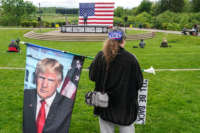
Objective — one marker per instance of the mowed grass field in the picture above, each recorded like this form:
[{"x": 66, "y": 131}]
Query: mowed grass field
[{"x": 173, "y": 104}]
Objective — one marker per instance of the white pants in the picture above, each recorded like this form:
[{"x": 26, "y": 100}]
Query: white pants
[{"x": 109, "y": 127}]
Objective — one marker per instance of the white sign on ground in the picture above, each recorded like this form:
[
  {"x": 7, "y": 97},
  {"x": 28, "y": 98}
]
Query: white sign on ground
[{"x": 142, "y": 101}]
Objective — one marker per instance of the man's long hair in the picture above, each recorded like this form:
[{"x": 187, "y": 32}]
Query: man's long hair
[{"x": 111, "y": 48}]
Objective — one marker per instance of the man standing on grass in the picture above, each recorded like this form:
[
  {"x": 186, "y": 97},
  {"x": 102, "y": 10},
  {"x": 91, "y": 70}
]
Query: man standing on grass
[{"x": 117, "y": 72}]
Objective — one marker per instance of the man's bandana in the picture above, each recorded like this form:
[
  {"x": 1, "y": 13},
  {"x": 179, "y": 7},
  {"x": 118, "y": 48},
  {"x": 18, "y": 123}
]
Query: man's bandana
[{"x": 115, "y": 35}]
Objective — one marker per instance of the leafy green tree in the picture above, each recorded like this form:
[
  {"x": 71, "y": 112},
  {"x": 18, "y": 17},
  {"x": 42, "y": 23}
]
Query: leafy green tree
[
  {"x": 172, "y": 5},
  {"x": 156, "y": 8},
  {"x": 15, "y": 10},
  {"x": 177, "y": 5},
  {"x": 187, "y": 7},
  {"x": 134, "y": 11},
  {"x": 0, "y": 9},
  {"x": 195, "y": 5},
  {"x": 145, "y": 6},
  {"x": 29, "y": 8},
  {"x": 119, "y": 11}
]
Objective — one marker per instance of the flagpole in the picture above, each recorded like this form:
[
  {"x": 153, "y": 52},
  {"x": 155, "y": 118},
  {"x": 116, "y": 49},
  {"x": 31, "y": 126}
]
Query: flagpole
[
  {"x": 150, "y": 70},
  {"x": 89, "y": 57}
]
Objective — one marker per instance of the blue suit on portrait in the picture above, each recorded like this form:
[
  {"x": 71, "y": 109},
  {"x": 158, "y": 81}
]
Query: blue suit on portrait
[{"x": 59, "y": 116}]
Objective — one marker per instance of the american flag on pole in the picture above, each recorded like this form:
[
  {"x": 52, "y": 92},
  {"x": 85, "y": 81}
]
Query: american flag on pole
[{"x": 99, "y": 13}]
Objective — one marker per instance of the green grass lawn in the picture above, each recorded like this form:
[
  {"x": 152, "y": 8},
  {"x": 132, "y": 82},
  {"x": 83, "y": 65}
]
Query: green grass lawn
[
  {"x": 43, "y": 30},
  {"x": 173, "y": 97},
  {"x": 54, "y": 18}
]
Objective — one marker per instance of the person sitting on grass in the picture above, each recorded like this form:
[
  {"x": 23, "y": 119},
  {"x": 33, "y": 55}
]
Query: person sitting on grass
[
  {"x": 196, "y": 29},
  {"x": 164, "y": 43},
  {"x": 13, "y": 47},
  {"x": 184, "y": 31},
  {"x": 142, "y": 43}
]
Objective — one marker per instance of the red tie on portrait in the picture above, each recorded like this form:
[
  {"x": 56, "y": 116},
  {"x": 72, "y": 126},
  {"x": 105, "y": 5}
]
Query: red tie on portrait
[{"x": 41, "y": 117}]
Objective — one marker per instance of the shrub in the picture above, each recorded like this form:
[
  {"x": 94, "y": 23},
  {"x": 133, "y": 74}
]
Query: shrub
[
  {"x": 29, "y": 23},
  {"x": 195, "y": 16},
  {"x": 184, "y": 20},
  {"x": 118, "y": 21},
  {"x": 34, "y": 23},
  {"x": 73, "y": 20},
  {"x": 188, "y": 26},
  {"x": 60, "y": 23},
  {"x": 166, "y": 17},
  {"x": 131, "y": 20},
  {"x": 176, "y": 21},
  {"x": 164, "y": 26},
  {"x": 52, "y": 24},
  {"x": 46, "y": 24},
  {"x": 173, "y": 26},
  {"x": 25, "y": 23},
  {"x": 143, "y": 18},
  {"x": 146, "y": 25},
  {"x": 9, "y": 20}
]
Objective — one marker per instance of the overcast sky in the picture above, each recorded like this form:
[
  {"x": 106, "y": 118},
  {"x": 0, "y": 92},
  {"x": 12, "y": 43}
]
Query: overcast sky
[{"x": 75, "y": 3}]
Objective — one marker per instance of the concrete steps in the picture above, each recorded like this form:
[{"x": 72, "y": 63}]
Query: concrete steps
[{"x": 58, "y": 36}]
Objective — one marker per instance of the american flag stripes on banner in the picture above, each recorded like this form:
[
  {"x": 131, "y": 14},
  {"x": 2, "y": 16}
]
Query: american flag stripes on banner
[
  {"x": 51, "y": 76},
  {"x": 72, "y": 67},
  {"x": 99, "y": 13}
]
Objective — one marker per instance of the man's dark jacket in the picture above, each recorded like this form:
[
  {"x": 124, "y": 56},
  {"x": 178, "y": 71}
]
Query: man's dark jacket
[
  {"x": 123, "y": 82},
  {"x": 58, "y": 119}
]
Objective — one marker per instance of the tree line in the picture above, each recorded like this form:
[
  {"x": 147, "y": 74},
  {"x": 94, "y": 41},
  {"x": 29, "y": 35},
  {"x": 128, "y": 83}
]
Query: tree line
[
  {"x": 13, "y": 11},
  {"x": 162, "y": 14},
  {"x": 156, "y": 8}
]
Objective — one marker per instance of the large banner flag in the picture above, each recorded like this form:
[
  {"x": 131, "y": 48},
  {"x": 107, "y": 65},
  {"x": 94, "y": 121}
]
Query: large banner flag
[
  {"x": 142, "y": 101},
  {"x": 50, "y": 86},
  {"x": 99, "y": 13}
]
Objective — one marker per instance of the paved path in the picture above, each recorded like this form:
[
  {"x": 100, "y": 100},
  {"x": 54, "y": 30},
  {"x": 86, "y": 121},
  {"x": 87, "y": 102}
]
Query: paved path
[
  {"x": 24, "y": 28},
  {"x": 156, "y": 30}
]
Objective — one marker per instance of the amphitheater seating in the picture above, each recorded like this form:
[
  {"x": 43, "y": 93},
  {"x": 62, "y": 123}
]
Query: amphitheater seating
[{"x": 58, "y": 36}]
